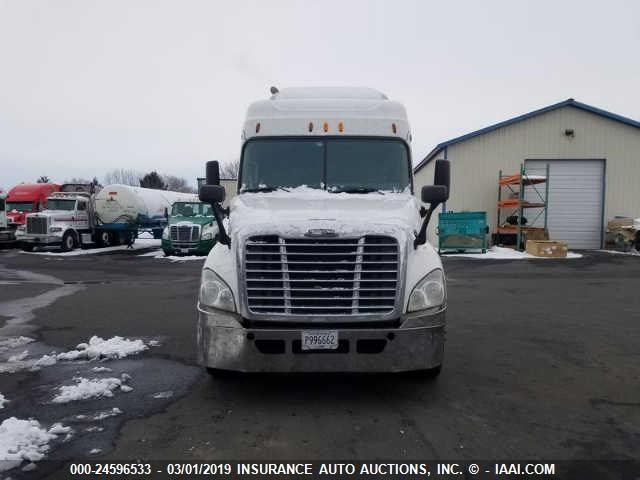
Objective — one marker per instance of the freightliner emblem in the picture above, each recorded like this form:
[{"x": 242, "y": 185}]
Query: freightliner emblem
[{"x": 321, "y": 232}]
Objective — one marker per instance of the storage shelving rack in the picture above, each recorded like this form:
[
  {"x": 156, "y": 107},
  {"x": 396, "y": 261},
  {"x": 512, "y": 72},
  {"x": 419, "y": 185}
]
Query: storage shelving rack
[{"x": 517, "y": 202}]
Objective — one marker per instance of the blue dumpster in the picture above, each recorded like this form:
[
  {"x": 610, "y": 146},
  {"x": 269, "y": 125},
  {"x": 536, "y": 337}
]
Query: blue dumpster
[{"x": 462, "y": 231}]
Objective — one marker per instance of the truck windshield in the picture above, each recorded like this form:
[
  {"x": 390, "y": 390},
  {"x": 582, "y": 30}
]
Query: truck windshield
[
  {"x": 20, "y": 206},
  {"x": 191, "y": 210},
  {"x": 60, "y": 204},
  {"x": 352, "y": 165}
]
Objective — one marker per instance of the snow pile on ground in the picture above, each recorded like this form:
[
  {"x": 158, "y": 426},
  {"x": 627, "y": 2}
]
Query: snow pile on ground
[
  {"x": 13, "y": 342},
  {"x": 501, "y": 253},
  {"x": 163, "y": 395},
  {"x": 98, "y": 348},
  {"x": 100, "y": 415},
  {"x": 177, "y": 258},
  {"x": 3, "y": 401},
  {"x": 22, "y": 440},
  {"x": 19, "y": 357},
  {"x": 140, "y": 244},
  {"x": 85, "y": 388},
  {"x": 632, "y": 252},
  {"x": 59, "y": 429},
  {"x": 174, "y": 258}
]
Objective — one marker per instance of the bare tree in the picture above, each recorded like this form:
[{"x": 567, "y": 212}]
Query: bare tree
[
  {"x": 123, "y": 176},
  {"x": 43, "y": 179},
  {"x": 177, "y": 184},
  {"x": 229, "y": 170}
]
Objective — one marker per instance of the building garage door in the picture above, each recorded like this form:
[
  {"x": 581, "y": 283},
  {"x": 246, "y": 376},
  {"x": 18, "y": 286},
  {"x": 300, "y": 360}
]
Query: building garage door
[{"x": 576, "y": 189}]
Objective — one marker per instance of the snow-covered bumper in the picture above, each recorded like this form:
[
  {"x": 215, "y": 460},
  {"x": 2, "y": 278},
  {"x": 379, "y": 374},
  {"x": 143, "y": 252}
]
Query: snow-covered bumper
[{"x": 224, "y": 343}]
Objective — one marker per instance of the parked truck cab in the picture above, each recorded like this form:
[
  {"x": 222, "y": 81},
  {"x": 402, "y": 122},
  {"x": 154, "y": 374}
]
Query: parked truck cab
[
  {"x": 24, "y": 199},
  {"x": 191, "y": 229},
  {"x": 63, "y": 223},
  {"x": 322, "y": 264}
]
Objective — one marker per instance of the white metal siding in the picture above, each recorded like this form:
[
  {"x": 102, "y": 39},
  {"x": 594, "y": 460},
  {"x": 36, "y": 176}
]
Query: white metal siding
[{"x": 575, "y": 200}]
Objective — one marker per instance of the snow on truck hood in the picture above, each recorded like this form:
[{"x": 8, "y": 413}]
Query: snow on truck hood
[{"x": 295, "y": 212}]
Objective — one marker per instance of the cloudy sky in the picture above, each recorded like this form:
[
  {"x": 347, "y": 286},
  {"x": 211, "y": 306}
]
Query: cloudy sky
[{"x": 86, "y": 86}]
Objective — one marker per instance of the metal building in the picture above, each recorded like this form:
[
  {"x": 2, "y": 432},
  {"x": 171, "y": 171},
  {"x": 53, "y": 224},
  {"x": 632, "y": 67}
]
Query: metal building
[{"x": 594, "y": 167}]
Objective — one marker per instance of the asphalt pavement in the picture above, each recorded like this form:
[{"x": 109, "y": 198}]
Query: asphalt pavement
[{"x": 542, "y": 362}]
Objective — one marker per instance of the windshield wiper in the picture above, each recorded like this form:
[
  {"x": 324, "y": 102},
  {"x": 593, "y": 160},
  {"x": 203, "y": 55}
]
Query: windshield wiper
[
  {"x": 356, "y": 190},
  {"x": 262, "y": 189}
]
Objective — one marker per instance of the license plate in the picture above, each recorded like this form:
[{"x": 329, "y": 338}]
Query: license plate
[{"x": 320, "y": 340}]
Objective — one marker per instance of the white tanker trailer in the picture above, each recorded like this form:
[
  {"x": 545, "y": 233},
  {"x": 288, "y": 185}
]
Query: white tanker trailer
[
  {"x": 120, "y": 204},
  {"x": 77, "y": 216}
]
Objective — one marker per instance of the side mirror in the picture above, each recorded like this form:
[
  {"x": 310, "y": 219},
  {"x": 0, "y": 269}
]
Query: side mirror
[
  {"x": 434, "y": 194},
  {"x": 442, "y": 174},
  {"x": 213, "y": 173},
  {"x": 212, "y": 193}
]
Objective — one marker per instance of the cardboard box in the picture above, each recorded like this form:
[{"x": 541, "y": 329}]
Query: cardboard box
[
  {"x": 534, "y": 233},
  {"x": 620, "y": 222},
  {"x": 546, "y": 248}
]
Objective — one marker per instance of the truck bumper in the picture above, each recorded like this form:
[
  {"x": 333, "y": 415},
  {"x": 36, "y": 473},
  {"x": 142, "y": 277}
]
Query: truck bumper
[
  {"x": 7, "y": 237},
  {"x": 203, "y": 247},
  {"x": 225, "y": 344},
  {"x": 40, "y": 240}
]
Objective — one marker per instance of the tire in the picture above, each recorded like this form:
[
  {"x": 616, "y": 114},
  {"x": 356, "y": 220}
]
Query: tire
[
  {"x": 68, "y": 242},
  {"x": 104, "y": 239},
  {"x": 27, "y": 248}
]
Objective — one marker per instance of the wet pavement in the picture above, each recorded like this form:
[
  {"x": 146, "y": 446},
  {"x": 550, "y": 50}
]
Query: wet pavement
[{"x": 542, "y": 361}]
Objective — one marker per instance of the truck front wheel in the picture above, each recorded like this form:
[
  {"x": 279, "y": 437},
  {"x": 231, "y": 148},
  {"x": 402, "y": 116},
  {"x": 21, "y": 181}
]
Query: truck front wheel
[{"x": 68, "y": 242}]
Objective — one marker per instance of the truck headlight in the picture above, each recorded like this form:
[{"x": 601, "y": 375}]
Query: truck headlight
[
  {"x": 214, "y": 292},
  {"x": 55, "y": 229},
  {"x": 209, "y": 232},
  {"x": 165, "y": 233},
  {"x": 428, "y": 292}
]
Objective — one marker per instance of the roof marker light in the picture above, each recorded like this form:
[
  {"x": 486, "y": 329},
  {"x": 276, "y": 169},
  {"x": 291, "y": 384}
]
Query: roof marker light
[
  {"x": 258, "y": 127},
  {"x": 393, "y": 127},
  {"x": 341, "y": 127},
  {"x": 325, "y": 127},
  {"x": 311, "y": 126}
]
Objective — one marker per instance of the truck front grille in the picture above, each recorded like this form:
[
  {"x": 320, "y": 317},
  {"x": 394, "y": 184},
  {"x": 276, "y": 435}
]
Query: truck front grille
[
  {"x": 182, "y": 233},
  {"x": 37, "y": 225},
  {"x": 321, "y": 276}
]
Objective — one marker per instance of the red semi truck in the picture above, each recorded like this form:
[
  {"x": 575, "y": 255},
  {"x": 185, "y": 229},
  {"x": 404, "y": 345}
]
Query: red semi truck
[{"x": 26, "y": 198}]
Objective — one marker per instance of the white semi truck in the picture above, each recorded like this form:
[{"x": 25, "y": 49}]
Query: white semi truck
[
  {"x": 77, "y": 216},
  {"x": 322, "y": 264}
]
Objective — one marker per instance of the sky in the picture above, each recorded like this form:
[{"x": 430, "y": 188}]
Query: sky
[{"x": 87, "y": 86}]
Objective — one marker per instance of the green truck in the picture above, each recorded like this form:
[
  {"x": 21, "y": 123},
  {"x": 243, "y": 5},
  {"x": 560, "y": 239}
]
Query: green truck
[{"x": 191, "y": 230}]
